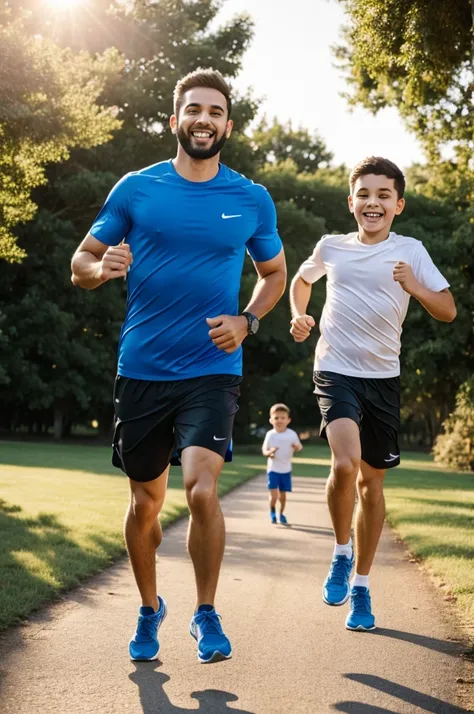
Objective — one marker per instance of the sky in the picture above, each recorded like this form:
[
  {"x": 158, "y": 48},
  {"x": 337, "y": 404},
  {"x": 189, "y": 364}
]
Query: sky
[{"x": 291, "y": 65}]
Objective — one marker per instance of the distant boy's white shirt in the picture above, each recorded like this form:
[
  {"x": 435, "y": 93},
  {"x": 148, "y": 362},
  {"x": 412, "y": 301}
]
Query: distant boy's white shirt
[{"x": 284, "y": 443}]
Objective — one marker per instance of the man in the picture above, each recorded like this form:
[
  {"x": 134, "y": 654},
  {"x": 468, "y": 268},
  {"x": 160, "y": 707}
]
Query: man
[
  {"x": 371, "y": 275},
  {"x": 178, "y": 231}
]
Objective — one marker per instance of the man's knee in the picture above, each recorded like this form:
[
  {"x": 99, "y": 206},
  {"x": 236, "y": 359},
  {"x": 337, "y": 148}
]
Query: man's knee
[
  {"x": 145, "y": 506},
  {"x": 201, "y": 494}
]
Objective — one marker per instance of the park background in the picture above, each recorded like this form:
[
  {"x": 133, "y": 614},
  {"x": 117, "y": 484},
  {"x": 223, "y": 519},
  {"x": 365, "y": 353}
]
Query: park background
[{"x": 85, "y": 97}]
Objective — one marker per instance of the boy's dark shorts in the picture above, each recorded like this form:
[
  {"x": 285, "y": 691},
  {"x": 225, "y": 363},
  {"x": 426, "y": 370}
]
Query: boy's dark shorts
[
  {"x": 374, "y": 405},
  {"x": 154, "y": 420}
]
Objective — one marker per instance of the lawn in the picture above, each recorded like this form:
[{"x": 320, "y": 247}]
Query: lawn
[
  {"x": 61, "y": 515},
  {"x": 62, "y": 507}
]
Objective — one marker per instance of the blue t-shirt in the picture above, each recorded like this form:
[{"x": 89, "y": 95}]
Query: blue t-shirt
[{"x": 188, "y": 241}]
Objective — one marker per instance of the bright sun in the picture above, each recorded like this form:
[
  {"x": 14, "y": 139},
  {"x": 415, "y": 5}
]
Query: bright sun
[{"x": 63, "y": 4}]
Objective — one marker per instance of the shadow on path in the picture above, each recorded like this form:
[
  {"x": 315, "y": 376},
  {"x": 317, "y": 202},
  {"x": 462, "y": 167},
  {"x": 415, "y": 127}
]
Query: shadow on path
[
  {"x": 411, "y": 696},
  {"x": 154, "y": 699},
  {"x": 431, "y": 643}
]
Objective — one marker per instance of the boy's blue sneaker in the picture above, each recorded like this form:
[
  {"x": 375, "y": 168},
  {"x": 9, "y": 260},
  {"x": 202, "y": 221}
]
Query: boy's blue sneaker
[
  {"x": 360, "y": 616},
  {"x": 144, "y": 645},
  {"x": 283, "y": 520},
  {"x": 336, "y": 588},
  {"x": 273, "y": 516},
  {"x": 213, "y": 645}
]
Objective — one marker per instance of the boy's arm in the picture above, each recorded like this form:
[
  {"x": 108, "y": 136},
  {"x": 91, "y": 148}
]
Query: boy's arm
[
  {"x": 439, "y": 305},
  {"x": 301, "y": 323},
  {"x": 268, "y": 450}
]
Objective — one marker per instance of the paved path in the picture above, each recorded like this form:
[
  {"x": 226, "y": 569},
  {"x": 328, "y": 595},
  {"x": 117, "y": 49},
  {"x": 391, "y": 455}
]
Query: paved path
[{"x": 292, "y": 654}]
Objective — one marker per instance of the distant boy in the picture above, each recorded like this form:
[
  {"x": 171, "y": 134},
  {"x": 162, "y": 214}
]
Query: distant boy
[
  {"x": 279, "y": 445},
  {"x": 371, "y": 275}
]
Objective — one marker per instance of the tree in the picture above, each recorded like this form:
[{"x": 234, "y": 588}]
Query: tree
[
  {"x": 277, "y": 142},
  {"x": 49, "y": 104},
  {"x": 418, "y": 57}
]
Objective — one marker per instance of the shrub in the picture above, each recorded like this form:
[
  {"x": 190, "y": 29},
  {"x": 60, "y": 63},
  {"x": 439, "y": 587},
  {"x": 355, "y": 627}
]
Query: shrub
[{"x": 455, "y": 447}]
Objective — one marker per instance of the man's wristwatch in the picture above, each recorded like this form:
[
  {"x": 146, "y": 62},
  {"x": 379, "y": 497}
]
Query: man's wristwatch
[{"x": 253, "y": 323}]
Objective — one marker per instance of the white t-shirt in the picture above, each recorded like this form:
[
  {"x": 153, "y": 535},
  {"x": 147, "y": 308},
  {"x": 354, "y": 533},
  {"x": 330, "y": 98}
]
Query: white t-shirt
[
  {"x": 281, "y": 462},
  {"x": 361, "y": 323}
]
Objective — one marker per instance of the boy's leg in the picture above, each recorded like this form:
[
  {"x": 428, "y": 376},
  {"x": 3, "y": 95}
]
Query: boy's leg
[
  {"x": 273, "y": 498},
  {"x": 370, "y": 515},
  {"x": 282, "y": 501},
  {"x": 344, "y": 440}
]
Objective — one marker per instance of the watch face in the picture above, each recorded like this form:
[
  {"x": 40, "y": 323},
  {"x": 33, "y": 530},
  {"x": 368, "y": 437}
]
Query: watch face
[{"x": 254, "y": 325}]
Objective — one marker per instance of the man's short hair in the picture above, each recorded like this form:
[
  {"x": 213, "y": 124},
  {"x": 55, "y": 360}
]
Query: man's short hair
[
  {"x": 280, "y": 407},
  {"x": 380, "y": 167},
  {"x": 210, "y": 78}
]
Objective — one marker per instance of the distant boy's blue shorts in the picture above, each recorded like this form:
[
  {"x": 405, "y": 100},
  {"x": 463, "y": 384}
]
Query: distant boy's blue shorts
[{"x": 280, "y": 481}]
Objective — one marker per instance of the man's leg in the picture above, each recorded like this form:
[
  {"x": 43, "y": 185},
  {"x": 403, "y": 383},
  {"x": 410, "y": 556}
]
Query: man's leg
[
  {"x": 143, "y": 533},
  {"x": 206, "y": 541},
  {"x": 206, "y": 532},
  {"x": 370, "y": 515}
]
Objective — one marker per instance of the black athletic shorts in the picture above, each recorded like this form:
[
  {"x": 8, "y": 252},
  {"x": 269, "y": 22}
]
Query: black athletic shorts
[
  {"x": 154, "y": 420},
  {"x": 374, "y": 405}
]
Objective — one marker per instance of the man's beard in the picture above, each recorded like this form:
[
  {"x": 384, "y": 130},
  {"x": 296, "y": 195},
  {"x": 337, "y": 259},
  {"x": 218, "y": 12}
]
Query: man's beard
[{"x": 196, "y": 152}]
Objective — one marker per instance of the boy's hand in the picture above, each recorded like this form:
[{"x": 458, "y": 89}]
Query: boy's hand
[
  {"x": 301, "y": 327},
  {"x": 272, "y": 451},
  {"x": 296, "y": 447},
  {"x": 403, "y": 274}
]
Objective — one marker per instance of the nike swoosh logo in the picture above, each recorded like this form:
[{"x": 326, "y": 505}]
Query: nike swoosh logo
[
  {"x": 236, "y": 215},
  {"x": 219, "y": 438},
  {"x": 393, "y": 457}
]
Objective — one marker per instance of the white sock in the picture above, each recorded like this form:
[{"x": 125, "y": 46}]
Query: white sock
[
  {"x": 360, "y": 581},
  {"x": 344, "y": 549}
]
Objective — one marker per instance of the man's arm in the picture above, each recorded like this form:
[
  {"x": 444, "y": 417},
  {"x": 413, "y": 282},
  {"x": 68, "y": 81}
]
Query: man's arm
[
  {"x": 229, "y": 331},
  {"x": 439, "y": 305},
  {"x": 94, "y": 263},
  {"x": 300, "y": 294}
]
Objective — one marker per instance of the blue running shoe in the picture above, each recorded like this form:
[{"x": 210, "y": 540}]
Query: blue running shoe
[
  {"x": 336, "y": 588},
  {"x": 360, "y": 616},
  {"x": 273, "y": 516},
  {"x": 283, "y": 520},
  {"x": 144, "y": 645},
  {"x": 213, "y": 645}
]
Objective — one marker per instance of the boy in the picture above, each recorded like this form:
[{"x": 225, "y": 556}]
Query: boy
[
  {"x": 279, "y": 445},
  {"x": 371, "y": 275}
]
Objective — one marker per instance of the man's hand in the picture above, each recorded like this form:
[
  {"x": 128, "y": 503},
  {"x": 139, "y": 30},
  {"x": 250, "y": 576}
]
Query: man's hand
[
  {"x": 301, "y": 327},
  {"x": 115, "y": 262},
  {"x": 403, "y": 274},
  {"x": 228, "y": 331}
]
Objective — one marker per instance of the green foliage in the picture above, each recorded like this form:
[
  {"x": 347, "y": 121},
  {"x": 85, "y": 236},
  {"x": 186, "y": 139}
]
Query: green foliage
[
  {"x": 455, "y": 447},
  {"x": 277, "y": 142},
  {"x": 49, "y": 104},
  {"x": 416, "y": 56}
]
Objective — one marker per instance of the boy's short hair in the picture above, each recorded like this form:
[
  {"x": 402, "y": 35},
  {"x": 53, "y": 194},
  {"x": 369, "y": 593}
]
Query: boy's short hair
[
  {"x": 380, "y": 167},
  {"x": 210, "y": 78},
  {"x": 280, "y": 407}
]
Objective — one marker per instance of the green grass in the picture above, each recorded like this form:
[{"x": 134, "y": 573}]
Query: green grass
[{"x": 61, "y": 515}]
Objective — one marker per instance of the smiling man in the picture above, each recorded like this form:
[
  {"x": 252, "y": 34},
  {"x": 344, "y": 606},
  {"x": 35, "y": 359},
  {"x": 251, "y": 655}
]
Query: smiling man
[
  {"x": 371, "y": 275},
  {"x": 178, "y": 231}
]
